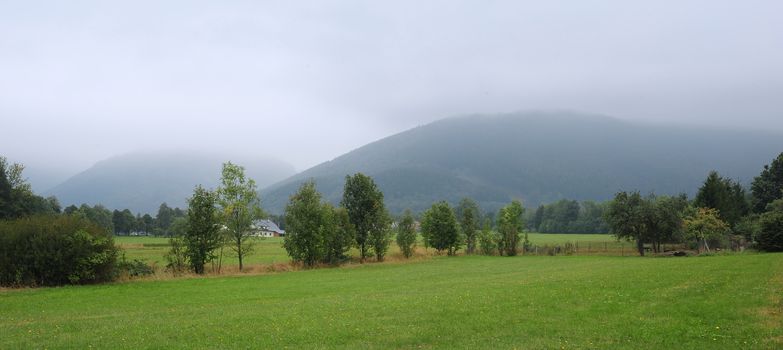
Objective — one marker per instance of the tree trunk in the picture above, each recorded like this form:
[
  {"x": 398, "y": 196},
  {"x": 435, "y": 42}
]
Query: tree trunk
[{"x": 640, "y": 246}]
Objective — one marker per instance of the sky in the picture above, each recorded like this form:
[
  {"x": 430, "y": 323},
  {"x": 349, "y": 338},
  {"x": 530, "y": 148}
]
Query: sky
[{"x": 307, "y": 81}]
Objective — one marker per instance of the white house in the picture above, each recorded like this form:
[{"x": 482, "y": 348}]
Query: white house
[{"x": 267, "y": 228}]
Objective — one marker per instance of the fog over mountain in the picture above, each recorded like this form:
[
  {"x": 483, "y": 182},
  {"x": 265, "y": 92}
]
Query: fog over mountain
[
  {"x": 538, "y": 157},
  {"x": 309, "y": 80},
  {"x": 142, "y": 181}
]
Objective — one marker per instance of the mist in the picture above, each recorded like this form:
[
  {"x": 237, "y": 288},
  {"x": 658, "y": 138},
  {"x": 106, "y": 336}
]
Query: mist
[{"x": 308, "y": 81}]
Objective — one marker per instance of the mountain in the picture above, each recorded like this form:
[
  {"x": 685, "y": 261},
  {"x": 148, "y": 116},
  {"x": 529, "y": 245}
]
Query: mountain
[
  {"x": 538, "y": 157},
  {"x": 142, "y": 181}
]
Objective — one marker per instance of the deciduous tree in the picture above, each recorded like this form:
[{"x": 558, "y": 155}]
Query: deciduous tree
[
  {"x": 441, "y": 227},
  {"x": 202, "y": 234},
  {"x": 406, "y": 234},
  {"x": 364, "y": 203},
  {"x": 469, "y": 218},
  {"x": 705, "y": 224},
  {"x": 239, "y": 207},
  {"x": 510, "y": 224}
]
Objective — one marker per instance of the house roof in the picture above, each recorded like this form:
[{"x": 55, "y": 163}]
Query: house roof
[{"x": 267, "y": 225}]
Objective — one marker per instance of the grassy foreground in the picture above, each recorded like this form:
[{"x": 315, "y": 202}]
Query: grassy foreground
[{"x": 579, "y": 302}]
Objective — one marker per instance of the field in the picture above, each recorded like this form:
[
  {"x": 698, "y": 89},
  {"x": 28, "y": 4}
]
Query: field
[
  {"x": 270, "y": 250},
  {"x": 563, "y": 302}
]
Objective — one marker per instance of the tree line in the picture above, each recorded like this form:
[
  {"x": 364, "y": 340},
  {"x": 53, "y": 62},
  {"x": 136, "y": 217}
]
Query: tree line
[{"x": 722, "y": 214}]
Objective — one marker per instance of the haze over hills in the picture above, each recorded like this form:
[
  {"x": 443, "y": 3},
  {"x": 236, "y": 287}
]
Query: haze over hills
[
  {"x": 537, "y": 157},
  {"x": 142, "y": 181}
]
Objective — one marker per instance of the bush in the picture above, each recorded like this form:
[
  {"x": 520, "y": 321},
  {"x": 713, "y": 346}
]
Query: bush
[
  {"x": 487, "y": 242},
  {"x": 770, "y": 235},
  {"x": 176, "y": 257},
  {"x": 55, "y": 250},
  {"x": 134, "y": 268}
]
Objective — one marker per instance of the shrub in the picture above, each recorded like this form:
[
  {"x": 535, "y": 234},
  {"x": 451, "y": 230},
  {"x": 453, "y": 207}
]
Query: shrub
[
  {"x": 176, "y": 257},
  {"x": 406, "y": 234},
  {"x": 55, "y": 250},
  {"x": 770, "y": 235},
  {"x": 134, "y": 268},
  {"x": 487, "y": 241}
]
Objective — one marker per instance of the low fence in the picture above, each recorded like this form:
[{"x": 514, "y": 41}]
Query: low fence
[{"x": 618, "y": 248}]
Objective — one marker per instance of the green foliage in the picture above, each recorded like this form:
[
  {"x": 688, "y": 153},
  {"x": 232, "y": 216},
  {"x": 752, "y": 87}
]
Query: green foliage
[
  {"x": 239, "y": 207},
  {"x": 16, "y": 196},
  {"x": 338, "y": 234},
  {"x": 177, "y": 256},
  {"x": 488, "y": 239},
  {"x": 406, "y": 234},
  {"x": 134, "y": 268},
  {"x": 98, "y": 214},
  {"x": 663, "y": 219},
  {"x": 770, "y": 232},
  {"x": 510, "y": 225},
  {"x": 725, "y": 195},
  {"x": 55, "y": 250},
  {"x": 768, "y": 186},
  {"x": 626, "y": 218},
  {"x": 316, "y": 232},
  {"x": 202, "y": 228},
  {"x": 565, "y": 216},
  {"x": 165, "y": 218},
  {"x": 468, "y": 214},
  {"x": 364, "y": 203},
  {"x": 304, "y": 216},
  {"x": 124, "y": 222},
  {"x": 705, "y": 225},
  {"x": 441, "y": 228}
]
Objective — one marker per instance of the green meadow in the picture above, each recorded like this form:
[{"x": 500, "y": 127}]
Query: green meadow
[
  {"x": 270, "y": 250},
  {"x": 531, "y": 302}
]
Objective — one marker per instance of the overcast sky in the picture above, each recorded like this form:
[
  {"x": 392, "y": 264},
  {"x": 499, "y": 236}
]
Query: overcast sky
[{"x": 307, "y": 81}]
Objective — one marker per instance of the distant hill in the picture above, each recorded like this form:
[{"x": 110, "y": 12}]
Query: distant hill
[
  {"x": 537, "y": 157},
  {"x": 142, "y": 181}
]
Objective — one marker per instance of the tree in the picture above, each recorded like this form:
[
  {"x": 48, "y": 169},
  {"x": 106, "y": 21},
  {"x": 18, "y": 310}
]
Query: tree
[
  {"x": 16, "y": 196},
  {"x": 406, "y": 234},
  {"x": 770, "y": 234},
  {"x": 338, "y": 234},
  {"x": 147, "y": 224},
  {"x": 364, "y": 203},
  {"x": 487, "y": 239},
  {"x": 662, "y": 217},
  {"x": 442, "y": 230},
  {"x": 305, "y": 220},
  {"x": 537, "y": 219},
  {"x": 179, "y": 227},
  {"x": 725, "y": 195},
  {"x": 124, "y": 221},
  {"x": 202, "y": 234},
  {"x": 626, "y": 218},
  {"x": 240, "y": 206},
  {"x": 469, "y": 220},
  {"x": 705, "y": 225},
  {"x": 164, "y": 219},
  {"x": 510, "y": 225},
  {"x": 768, "y": 186}
]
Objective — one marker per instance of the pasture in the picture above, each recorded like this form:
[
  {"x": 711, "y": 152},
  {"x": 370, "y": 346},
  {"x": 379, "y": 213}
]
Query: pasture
[
  {"x": 270, "y": 250},
  {"x": 535, "y": 302}
]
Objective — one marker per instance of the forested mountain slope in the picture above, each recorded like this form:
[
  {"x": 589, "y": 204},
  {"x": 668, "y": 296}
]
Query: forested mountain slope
[{"x": 537, "y": 157}]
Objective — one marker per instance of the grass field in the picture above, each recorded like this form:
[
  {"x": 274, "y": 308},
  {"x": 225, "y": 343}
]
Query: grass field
[
  {"x": 539, "y": 302},
  {"x": 270, "y": 250}
]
